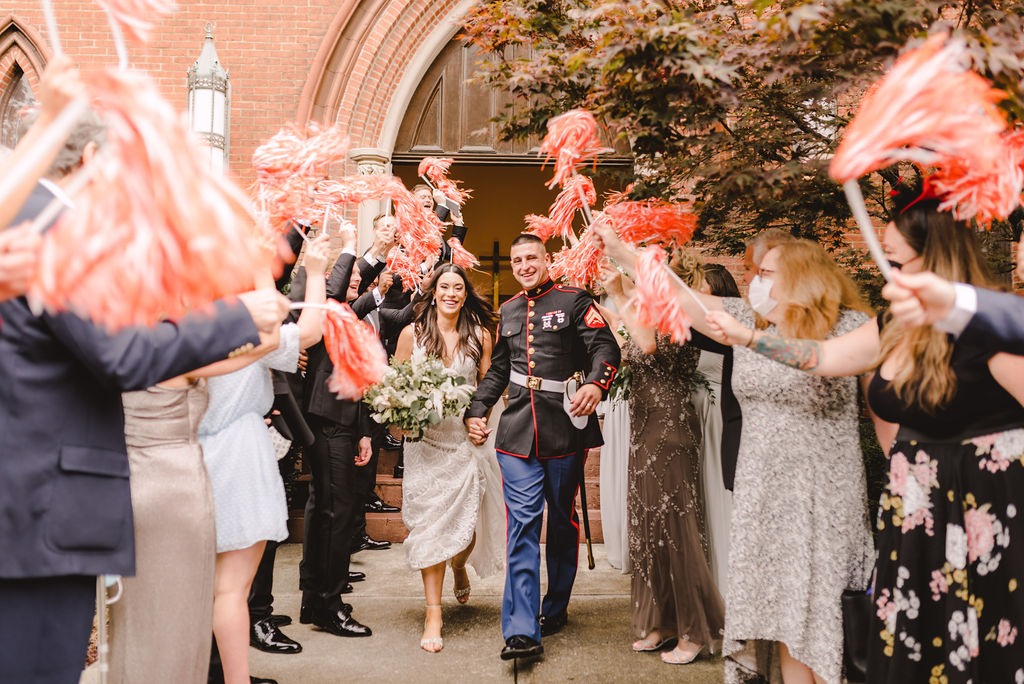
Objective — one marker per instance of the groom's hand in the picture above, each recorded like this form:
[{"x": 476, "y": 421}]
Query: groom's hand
[
  {"x": 585, "y": 400},
  {"x": 478, "y": 430}
]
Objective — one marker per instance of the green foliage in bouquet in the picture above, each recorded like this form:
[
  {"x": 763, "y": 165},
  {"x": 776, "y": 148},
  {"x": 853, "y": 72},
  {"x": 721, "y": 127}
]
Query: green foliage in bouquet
[{"x": 416, "y": 394}]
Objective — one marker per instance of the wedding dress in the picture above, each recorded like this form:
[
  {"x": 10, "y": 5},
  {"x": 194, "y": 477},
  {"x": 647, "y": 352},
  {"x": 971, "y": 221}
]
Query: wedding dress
[{"x": 452, "y": 489}]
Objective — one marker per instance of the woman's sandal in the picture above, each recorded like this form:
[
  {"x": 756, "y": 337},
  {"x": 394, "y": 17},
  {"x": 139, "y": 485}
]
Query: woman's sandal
[
  {"x": 461, "y": 595},
  {"x": 436, "y": 642},
  {"x": 677, "y": 657},
  {"x": 645, "y": 646}
]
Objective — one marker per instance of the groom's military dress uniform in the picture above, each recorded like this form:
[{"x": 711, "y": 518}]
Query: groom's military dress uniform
[{"x": 546, "y": 336}]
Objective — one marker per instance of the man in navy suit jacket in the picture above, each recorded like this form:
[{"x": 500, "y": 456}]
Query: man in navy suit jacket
[{"x": 65, "y": 505}]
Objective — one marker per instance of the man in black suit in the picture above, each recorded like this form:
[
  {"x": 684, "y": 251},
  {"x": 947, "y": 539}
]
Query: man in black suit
[{"x": 65, "y": 504}]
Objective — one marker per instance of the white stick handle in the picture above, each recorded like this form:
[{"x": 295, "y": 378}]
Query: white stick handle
[
  {"x": 119, "y": 46},
  {"x": 689, "y": 290},
  {"x": 51, "y": 27},
  {"x": 295, "y": 306},
  {"x": 860, "y": 212},
  {"x": 54, "y": 134}
]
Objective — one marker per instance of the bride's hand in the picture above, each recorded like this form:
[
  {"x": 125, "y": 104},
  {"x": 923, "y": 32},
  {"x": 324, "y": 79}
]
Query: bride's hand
[{"x": 477, "y": 428}]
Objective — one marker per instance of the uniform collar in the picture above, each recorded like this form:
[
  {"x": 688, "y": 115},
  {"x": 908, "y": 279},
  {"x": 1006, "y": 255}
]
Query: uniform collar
[{"x": 540, "y": 290}]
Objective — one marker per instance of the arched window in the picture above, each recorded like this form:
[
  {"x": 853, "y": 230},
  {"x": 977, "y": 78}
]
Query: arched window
[{"x": 16, "y": 97}]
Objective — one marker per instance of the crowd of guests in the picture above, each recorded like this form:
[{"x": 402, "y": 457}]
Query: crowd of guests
[{"x": 735, "y": 476}]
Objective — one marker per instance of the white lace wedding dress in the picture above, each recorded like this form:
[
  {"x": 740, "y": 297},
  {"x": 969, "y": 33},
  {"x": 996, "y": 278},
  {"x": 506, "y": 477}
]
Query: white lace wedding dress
[{"x": 452, "y": 489}]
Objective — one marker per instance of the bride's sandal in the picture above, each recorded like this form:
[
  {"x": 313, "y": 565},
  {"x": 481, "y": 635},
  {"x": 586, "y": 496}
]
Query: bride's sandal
[
  {"x": 461, "y": 595},
  {"x": 432, "y": 644}
]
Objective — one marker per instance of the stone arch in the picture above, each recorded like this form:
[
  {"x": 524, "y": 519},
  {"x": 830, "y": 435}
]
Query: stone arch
[{"x": 21, "y": 64}]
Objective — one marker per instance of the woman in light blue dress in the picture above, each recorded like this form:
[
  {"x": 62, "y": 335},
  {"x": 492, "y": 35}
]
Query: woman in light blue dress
[{"x": 248, "y": 493}]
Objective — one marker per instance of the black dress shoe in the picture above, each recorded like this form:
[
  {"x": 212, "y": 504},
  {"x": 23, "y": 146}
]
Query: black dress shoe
[
  {"x": 266, "y": 636},
  {"x": 521, "y": 647},
  {"x": 306, "y": 612},
  {"x": 378, "y": 506},
  {"x": 347, "y": 589},
  {"x": 342, "y": 624},
  {"x": 372, "y": 544},
  {"x": 390, "y": 443},
  {"x": 552, "y": 624},
  {"x": 355, "y": 576},
  {"x": 261, "y": 680},
  {"x": 399, "y": 472},
  {"x": 280, "y": 620}
]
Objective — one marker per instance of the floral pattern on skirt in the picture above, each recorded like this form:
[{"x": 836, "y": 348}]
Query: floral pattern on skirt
[{"x": 948, "y": 600}]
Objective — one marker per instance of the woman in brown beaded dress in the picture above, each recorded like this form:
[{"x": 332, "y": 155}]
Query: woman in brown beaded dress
[{"x": 673, "y": 593}]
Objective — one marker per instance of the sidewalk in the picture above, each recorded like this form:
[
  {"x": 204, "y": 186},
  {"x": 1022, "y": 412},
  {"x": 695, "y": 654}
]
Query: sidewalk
[{"x": 594, "y": 647}]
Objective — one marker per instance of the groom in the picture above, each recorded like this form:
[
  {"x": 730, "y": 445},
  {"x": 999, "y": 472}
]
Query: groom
[{"x": 547, "y": 334}]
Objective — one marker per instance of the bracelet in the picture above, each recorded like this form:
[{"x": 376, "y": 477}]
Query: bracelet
[{"x": 751, "y": 340}]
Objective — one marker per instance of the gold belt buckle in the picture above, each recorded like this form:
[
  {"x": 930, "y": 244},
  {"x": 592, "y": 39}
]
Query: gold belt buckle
[{"x": 533, "y": 382}]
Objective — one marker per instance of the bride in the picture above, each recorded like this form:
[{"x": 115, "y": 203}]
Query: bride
[{"x": 451, "y": 494}]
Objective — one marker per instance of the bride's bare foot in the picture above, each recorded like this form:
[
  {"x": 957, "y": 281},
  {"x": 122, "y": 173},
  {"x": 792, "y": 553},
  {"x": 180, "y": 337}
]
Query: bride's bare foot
[
  {"x": 461, "y": 586},
  {"x": 654, "y": 641},
  {"x": 432, "y": 641}
]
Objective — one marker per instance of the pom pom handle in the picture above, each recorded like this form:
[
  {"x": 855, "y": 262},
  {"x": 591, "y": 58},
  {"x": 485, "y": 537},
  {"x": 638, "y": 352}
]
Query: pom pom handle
[{"x": 860, "y": 213}]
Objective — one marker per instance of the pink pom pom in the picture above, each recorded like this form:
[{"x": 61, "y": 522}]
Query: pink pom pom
[
  {"x": 462, "y": 256},
  {"x": 436, "y": 169},
  {"x": 656, "y": 303},
  {"x": 580, "y": 264},
  {"x": 568, "y": 202},
  {"x": 137, "y": 17},
  {"x": 984, "y": 194},
  {"x": 402, "y": 266},
  {"x": 927, "y": 108},
  {"x": 571, "y": 139},
  {"x": 652, "y": 221},
  {"x": 354, "y": 349},
  {"x": 542, "y": 226},
  {"x": 157, "y": 232}
]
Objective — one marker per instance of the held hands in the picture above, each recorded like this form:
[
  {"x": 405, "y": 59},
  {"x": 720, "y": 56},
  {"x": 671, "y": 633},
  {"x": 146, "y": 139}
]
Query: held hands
[
  {"x": 478, "y": 430},
  {"x": 365, "y": 452},
  {"x": 586, "y": 399},
  {"x": 727, "y": 330},
  {"x": 919, "y": 298},
  {"x": 317, "y": 254},
  {"x": 268, "y": 308},
  {"x": 19, "y": 252}
]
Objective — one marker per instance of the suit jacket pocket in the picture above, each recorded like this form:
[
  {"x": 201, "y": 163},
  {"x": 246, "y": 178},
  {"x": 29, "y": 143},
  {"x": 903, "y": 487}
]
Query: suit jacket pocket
[{"x": 91, "y": 500}]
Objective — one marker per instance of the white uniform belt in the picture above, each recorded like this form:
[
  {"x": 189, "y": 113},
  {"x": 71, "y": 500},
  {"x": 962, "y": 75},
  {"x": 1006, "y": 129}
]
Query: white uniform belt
[{"x": 537, "y": 383}]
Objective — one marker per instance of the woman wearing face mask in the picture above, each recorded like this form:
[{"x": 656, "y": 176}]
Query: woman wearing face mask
[
  {"x": 799, "y": 533},
  {"x": 946, "y": 589}
]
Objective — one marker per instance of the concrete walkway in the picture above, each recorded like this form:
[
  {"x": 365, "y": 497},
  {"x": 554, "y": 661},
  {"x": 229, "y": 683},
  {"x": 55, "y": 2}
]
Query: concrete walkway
[{"x": 594, "y": 646}]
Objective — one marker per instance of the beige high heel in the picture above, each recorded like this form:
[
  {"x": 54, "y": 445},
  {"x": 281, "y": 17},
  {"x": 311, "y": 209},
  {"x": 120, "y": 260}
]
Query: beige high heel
[
  {"x": 677, "y": 657},
  {"x": 461, "y": 595},
  {"x": 437, "y": 642}
]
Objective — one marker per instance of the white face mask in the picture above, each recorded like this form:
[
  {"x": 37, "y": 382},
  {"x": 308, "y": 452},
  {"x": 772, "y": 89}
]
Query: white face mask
[{"x": 759, "y": 295}]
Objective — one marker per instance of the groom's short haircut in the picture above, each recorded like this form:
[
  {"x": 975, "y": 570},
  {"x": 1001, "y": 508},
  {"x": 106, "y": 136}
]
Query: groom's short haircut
[{"x": 524, "y": 238}]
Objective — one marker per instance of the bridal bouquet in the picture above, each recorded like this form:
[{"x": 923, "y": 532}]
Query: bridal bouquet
[{"x": 416, "y": 394}]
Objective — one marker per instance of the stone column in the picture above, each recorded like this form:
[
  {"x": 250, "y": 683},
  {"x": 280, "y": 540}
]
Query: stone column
[{"x": 369, "y": 160}]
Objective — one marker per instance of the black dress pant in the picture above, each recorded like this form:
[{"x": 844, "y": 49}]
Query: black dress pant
[
  {"x": 332, "y": 512},
  {"x": 261, "y": 595},
  {"x": 44, "y": 633},
  {"x": 366, "y": 476}
]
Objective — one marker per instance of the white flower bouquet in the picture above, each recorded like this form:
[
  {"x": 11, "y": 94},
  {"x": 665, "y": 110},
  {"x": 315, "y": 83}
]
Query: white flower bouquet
[{"x": 416, "y": 394}]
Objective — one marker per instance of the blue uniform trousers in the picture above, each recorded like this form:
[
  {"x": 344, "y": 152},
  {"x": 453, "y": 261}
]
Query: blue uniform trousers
[{"x": 528, "y": 483}]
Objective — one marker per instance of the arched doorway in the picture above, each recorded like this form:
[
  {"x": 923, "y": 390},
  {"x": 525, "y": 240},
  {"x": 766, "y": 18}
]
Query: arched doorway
[
  {"x": 21, "y": 63},
  {"x": 449, "y": 115}
]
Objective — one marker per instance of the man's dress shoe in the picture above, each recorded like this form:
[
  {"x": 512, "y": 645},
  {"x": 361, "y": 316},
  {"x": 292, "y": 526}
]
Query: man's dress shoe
[
  {"x": 355, "y": 576},
  {"x": 261, "y": 680},
  {"x": 347, "y": 589},
  {"x": 372, "y": 544},
  {"x": 267, "y": 636},
  {"x": 378, "y": 506},
  {"x": 341, "y": 624},
  {"x": 521, "y": 647},
  {"x": 306, "y": 611},
  {"x": 552, "y": 624}
]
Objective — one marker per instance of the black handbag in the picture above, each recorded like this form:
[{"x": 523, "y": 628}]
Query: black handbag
[{"x": 856, "y": 626}]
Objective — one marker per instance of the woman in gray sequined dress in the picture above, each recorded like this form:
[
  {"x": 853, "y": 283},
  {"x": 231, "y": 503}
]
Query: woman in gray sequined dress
[{"x": 673, "y": 593}]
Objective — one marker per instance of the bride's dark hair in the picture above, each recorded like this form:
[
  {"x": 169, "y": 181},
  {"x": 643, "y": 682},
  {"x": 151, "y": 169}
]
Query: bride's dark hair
[{"x": 475, "y": 313}]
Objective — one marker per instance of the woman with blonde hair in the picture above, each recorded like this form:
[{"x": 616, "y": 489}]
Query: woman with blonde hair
[
  {"x": 799, "y": 533},
  {"x": 946, "y": 580}
]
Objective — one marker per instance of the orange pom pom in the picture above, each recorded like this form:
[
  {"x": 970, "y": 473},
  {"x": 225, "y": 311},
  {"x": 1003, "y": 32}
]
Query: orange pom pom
[
  {"x": 462, "y": 256},
  {"x": 652, "y": 221},
  {"x": 580, "y": 264},
  {"x": 157, "y": 232},
  {"x": 656, "y": 303},
  {"x": 436, "y": 169},
  {"x": 571, "y": 138},
  {"x": 354, "y": 349},
  {"x": 987, "y": 193},
  {"x": 568, "y": 202},
  {"x": 927, "y": 108},
  {"x": 137, "y": 17}
]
